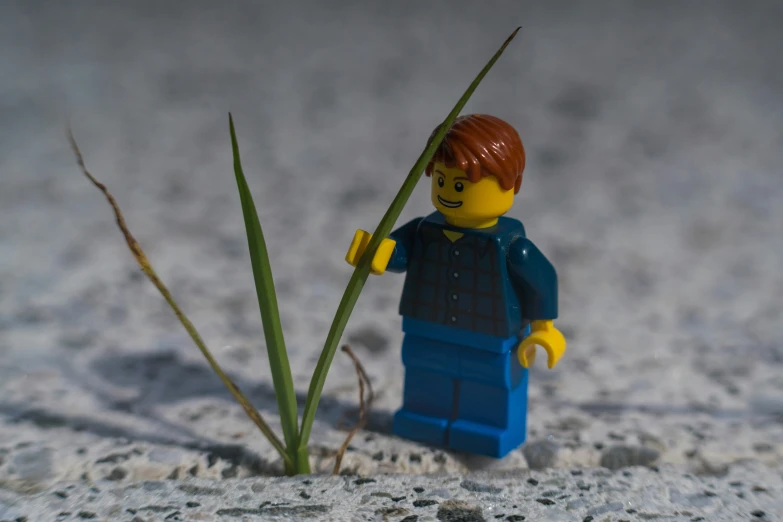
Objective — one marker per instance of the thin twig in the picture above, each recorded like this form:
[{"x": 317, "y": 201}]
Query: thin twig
[
  {"x": 146, "y": 267},
  {"x": 364, "y": 407}
]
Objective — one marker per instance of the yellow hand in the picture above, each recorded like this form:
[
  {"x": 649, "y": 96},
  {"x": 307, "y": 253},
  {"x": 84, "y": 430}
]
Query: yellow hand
[
  {"x": 545, "y": 335},
  {"x": 382, "y": 256}
]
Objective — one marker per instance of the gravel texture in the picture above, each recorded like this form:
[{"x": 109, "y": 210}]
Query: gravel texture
[
  {"x": 654, "y": 149},
  {"x": 556, "y": 495}
]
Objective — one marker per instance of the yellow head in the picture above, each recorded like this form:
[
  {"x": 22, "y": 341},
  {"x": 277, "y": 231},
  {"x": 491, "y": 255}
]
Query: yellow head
[
  {"x": 476, "y": 171},
  {"x": 468, "y": 204}
]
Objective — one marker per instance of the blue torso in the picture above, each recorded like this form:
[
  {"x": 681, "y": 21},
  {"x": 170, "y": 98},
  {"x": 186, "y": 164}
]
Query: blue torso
[{"x": 465, "y": 283}]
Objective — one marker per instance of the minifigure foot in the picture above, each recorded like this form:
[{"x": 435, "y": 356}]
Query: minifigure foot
[
  {"x": 481, "y": 439},
  {"x": 421, "y": 428}
]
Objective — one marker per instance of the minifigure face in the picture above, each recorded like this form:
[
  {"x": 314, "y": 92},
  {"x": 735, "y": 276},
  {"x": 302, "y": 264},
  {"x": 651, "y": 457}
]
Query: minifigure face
[{"x": 455, "y": 196}]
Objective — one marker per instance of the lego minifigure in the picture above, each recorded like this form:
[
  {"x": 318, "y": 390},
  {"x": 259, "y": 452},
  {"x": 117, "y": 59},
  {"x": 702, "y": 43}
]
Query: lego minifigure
[{"x": 478, "y": 296}]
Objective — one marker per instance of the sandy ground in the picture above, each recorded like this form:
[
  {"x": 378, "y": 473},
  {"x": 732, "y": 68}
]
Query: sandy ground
[{"x": 654, "y": 149}]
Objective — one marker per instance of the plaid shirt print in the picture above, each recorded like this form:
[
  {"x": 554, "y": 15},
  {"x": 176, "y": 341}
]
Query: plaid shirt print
[{"x": 456, "y": 283}]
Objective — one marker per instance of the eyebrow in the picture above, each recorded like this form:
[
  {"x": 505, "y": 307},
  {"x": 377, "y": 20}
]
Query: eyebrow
[{"x": 458, "y": 177}]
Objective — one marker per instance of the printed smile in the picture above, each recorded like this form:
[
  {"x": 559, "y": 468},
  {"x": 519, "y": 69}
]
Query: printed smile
[{"x": 449, "y": 204}]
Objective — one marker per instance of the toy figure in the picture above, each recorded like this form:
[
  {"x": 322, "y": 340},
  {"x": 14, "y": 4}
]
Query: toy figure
[{"x": 478, "y": 296}]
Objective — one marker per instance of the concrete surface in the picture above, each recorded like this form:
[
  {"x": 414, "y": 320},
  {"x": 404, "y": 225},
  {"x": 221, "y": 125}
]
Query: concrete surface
[
  {"x": 653, "y": 181},
  {"x": 556, "y": 495}
]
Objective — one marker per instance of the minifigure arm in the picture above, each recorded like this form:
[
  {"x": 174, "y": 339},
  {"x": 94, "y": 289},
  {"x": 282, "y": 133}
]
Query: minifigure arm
[
  {"x": 535, "y": 278},
  {"x": 536, "y": 281},
  {"x": 404, "y": 238}
]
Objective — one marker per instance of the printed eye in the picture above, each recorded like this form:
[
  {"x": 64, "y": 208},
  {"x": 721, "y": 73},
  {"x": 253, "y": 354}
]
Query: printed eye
[
  {"x": 441, "y": 182},
  {"x": 458, "y": 186}
]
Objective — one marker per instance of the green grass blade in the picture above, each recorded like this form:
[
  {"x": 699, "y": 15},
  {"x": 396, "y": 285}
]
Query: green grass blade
[
  {"x": 267, "y": 301},
  {"x": 146, "y": 266},
  {"x": 362, "y": 271}
]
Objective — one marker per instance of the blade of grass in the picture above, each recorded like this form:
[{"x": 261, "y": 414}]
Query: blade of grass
[
  {"x": 362, "y": 271},
  {"x": 267, "y": 301},
  {"x": 146, "y": 266}
]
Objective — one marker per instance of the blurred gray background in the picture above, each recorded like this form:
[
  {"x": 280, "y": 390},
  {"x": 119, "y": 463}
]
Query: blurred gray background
[{"x": 654, "y": 140}]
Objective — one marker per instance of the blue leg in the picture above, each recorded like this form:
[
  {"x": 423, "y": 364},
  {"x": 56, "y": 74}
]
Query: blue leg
[
  {"x": 491, "y": 421},
  {"x": 428, "y": 402},
  {"x": 492, "y": 404},
  {"x": 427, "y": 407}
]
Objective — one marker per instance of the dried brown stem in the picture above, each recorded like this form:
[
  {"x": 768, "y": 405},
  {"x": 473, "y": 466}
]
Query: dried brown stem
[
  {"x": 146, "y": 267},
  {"x": 364, "y": 407}
]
